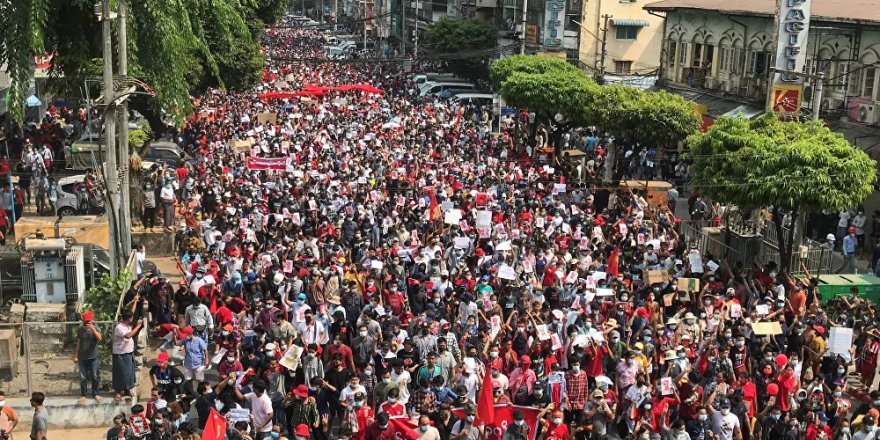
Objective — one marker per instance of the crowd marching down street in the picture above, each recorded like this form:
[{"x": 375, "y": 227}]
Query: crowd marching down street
[{"x": 362, "y": 263}]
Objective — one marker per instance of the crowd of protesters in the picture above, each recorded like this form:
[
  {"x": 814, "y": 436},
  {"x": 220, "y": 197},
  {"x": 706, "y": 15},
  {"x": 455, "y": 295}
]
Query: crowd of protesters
[{"x": 403, "y": 261}]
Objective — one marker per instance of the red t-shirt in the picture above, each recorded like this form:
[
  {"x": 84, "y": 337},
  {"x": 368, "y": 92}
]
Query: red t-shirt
[
  {"x": 558, "y": 432},
  {"x": 593, "y": 358}
]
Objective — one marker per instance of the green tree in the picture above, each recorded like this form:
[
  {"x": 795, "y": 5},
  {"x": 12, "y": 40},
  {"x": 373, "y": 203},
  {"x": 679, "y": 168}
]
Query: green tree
[
  {"x": 449, "y": 35},
  {"x": 177, "y": 47},
  {"x": 797, "y": 167},
  {"x": 505, "y": 67}
]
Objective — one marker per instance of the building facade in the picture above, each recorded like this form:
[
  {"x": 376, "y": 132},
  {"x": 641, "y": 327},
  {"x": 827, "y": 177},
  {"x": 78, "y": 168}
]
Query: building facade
[
  {"x": 633, "y": 37},
  {"x": 728, "y": 50}
]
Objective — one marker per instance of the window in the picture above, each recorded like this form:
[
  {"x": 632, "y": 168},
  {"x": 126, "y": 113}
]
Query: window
[
  {"x": 627, "y": 32},
  {"x": 697, "y": 59},
  {"x": 682, "y": 53},
  {"x": 710, "y": 55},
  {"x": 622, "y": 67},
  {"x": 670, "y": 52},
  {"x": 728, "y": 59},
  {"x": 868, "y": 89},
  {"x": 759, "y": 63}
]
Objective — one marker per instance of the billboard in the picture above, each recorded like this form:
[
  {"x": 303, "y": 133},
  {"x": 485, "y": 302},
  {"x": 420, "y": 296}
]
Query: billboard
[{"x": 792, "y": 30}]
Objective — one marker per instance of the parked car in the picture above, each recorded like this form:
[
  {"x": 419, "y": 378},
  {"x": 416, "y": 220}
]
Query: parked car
[
  {"x": 473, "y": 98},
  {"x": 429, "y": 89},
  {"x": 164, "y": 152}
]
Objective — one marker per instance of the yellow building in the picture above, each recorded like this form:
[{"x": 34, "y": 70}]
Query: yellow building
[{"x": 633, "y": 38}]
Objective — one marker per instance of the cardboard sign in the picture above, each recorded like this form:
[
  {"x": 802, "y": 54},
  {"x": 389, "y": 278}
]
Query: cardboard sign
[
  {"x": 291, "y": 358},
  {"x": 668, "y": 299},
  {"x": 766, "y": 328},
  {"x": 688, "y": 284},
  {"x": 241, "y": 146},
  {"x": 655, "y": 276},
  {"x": 267, "y": 118}
]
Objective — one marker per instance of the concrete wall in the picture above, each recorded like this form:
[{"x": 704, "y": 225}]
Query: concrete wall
[{"x": 64, "y": 413}]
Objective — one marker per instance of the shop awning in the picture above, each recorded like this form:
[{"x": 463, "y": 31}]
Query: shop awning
[{"x": 628, "y": 22}]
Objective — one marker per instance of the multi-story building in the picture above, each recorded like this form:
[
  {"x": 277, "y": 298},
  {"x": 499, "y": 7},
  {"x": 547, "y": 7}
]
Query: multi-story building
[
  {"x": 633, "y": 37},
  {"x": 725, "y": 50}
]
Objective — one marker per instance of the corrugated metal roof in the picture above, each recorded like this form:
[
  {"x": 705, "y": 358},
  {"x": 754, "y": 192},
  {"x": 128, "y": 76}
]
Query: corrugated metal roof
[
  {"x": 628, "y": 22},
  {"x": 863, "y": 11}
]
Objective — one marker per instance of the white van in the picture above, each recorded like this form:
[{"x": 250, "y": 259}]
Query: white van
[
  {"x": 473, "y": 98},
  {"x": 433, "y": 77},
  {"x": 431, "y": 88}
]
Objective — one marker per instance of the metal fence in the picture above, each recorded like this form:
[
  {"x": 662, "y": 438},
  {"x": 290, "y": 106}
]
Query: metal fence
[{"x": 38, "y": 356}]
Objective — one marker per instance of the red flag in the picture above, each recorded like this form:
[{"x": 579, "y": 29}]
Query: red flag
[
  {"x": 405, "y": 427},
  {"x": 215, "y": 428},
  {"x": 485, "y": 401},
  {"x": 434, "y": 208},
  {"x": 613, "y": 268}
]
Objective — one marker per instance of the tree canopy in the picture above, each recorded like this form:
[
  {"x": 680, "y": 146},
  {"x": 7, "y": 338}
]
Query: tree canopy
[
  {"x": 456, "y": 35},
  {"x": 177, "y": 47},
  {"x": 547, "y": 86},
  {"x": 792, "y": 165}
]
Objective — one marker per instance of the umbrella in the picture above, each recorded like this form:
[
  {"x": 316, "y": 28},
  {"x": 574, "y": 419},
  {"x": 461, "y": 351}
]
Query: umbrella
[{"x": 33, "y": 101}]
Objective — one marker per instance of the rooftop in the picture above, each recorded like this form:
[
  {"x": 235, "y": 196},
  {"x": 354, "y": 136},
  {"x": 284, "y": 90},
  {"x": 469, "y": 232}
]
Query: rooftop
[{"x": 855, "y": 11}]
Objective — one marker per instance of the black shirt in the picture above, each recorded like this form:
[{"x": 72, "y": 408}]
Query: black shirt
[
  {"x": 204, "y": 405},
  {"x": 445, "y": 429}
]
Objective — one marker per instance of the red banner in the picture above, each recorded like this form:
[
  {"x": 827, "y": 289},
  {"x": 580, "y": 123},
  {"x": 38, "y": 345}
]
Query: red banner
[
  {"x": 503, "y": 418},
  {"x": 267, "y": 163}
]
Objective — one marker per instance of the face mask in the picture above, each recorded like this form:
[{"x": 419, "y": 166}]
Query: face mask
[
  {"x": 276, "y": 434},
  {"x": 728, "y": 335},
  {"x": 648, "y": 406},
  {"x": 493, "y": 354},
  {"x": 470, "y": 419},
  {"x": 359, "y": 404},
  {"x": 647, "y": 339},
  {"x": 229, "y": 382},
  {"x": 392, "y": 400},
  {"x": 740, "y": 343},
  {"x": 841, "y": 371},
  {"x": 363, "y": 334},
  {"x": 386, "y": 380},
  {"x": 383, "y": 427},
  {"x": 423, "y": 428},
  {"x": 496, "y": 373},
  {"x": 672, "y": 327},
  {"x": 539, "y": 393},
  {"x": 225, "y": 333},
  {"x": 624, "y": 299},
  {"x": 703, "y": 417},
  {"x": 588, "y": 325},
  {"x": 176, "y": 381},
  {"x": 844, "y": 430},
  {"x": 368, "y": 373},
  {"x": 775, "y": 416},
  {"x": 557, "y": 420},
  {"x": 519, "y": 422},
  {"x": 725, "y": 411},
  {"x": 877, "y": 403}
]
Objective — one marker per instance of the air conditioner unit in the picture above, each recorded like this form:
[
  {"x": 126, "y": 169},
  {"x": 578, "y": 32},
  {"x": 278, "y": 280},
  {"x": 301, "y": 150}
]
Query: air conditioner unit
[
  {"x": 827, "y": 103},
  {"x": 866, "y": 113}
]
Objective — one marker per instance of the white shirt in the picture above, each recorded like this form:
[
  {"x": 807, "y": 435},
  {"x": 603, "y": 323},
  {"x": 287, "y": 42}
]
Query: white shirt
[
  {"x": 261, "y": 408},
  {"x": 166, "y": 194},
  {"x": 139, "y": 258},
  {"x": 724, "y": 426},
  {"x": 431, "y": 434},
  {"x": 347, "y": 394},
  {"x": 403, "y": 381}
]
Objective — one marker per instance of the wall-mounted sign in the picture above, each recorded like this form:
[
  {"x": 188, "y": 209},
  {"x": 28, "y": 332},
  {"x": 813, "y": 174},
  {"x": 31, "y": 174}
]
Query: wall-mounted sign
[
  {"x": 532, "y": 33},
  {"x": 554, "y": 27}
]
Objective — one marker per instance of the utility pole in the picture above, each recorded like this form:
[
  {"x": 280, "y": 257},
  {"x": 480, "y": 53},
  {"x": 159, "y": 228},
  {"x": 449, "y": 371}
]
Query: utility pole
[
  {"x": 604, "y": 51},
  {"x": 817, "y": 94},
  {"x": 125, "y": 197},
  {"x": 525, "y": 20},
  {"x": 416, "y": 38},
  {"x": 110, "y": 139},
  {"x": 403, "y": 39},
  {"x": 365, "y": 26}
]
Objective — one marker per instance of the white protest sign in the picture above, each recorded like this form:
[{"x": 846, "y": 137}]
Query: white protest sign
[
  {"x": 219, "y": 356},
  {"x": 543, "y": 333},
  {"x": 462, "y": 242},
  {"x": 484, "y": 219},
  {"x": 559, "y": 188},
  {"x": 452, "y": 217},
  {"x": 666, "y": 386},
  {"x": 840, "y": 339},
  {"x": 696, "y": 262},
  {"x": 506, "y": 273},
  {"x": 604, "y": 292},
  {"x": 504, "y": 246}
]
